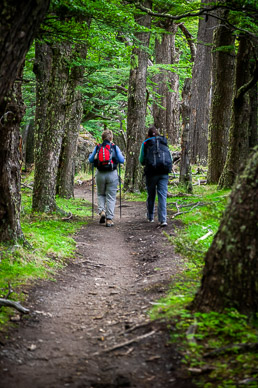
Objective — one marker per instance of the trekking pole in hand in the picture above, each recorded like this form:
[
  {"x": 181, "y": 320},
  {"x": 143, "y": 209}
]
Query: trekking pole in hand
[
  {"x": 120, "y": 190},
  {"x": 92, "y": 185}
]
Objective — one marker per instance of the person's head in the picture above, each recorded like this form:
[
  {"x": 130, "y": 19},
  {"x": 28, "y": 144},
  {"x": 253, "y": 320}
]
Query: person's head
[
  {"x": 107, "y": 135},
  {"x": 152, "y": 131}
]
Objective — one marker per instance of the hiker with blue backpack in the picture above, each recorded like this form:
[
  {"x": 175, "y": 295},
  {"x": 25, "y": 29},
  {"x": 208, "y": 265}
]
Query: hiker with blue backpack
[
  {"x": 106, "y": 157},
  {"x": 157, "y": 161}
]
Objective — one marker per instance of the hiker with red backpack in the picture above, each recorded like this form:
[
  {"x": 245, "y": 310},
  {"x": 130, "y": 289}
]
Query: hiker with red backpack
[
  {"x": 157, "y": 159},
  {"x": 105, "y": 157}
]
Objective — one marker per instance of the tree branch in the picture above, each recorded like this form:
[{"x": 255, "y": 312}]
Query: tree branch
[
  {"x": 241, "y": 91},
  {"x": 189, "y": 37},
  {"x": 15, "y": 305}
]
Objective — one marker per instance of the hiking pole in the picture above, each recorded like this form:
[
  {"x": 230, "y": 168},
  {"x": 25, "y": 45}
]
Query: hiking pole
[
  {"x": 120, "y": 190},
  {"x": 92, "y": 185}
]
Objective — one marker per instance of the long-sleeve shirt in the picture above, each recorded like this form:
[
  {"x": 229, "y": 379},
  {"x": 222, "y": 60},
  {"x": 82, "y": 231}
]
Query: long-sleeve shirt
[{"x": 119, "y": 155}]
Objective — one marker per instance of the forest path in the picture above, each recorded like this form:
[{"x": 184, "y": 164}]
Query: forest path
[{"x": 98, "y": 301}]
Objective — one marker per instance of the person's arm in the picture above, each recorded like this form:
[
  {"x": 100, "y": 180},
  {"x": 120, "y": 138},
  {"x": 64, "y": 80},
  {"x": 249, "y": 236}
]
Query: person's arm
[
  {"x": 92, "y": 155},
  {"x": 141, "y": 156},
  {"x": 119, "y": 155}
]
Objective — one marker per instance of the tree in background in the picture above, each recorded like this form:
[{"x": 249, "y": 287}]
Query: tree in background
[
  {"x": 246, "y": 77},
  {"x": 166, "y": 107},
  {"x": 18, "y": 26},
  {"x": 136, "y": 112},
  {"x": 223, "y": 63},
  {"x": 201, "y": 90},
  {"x": 185, "y": 177},
  {"x": 52, "y": 72}
]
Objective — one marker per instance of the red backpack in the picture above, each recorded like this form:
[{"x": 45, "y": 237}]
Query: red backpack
[{"x": 105, "y": 158}]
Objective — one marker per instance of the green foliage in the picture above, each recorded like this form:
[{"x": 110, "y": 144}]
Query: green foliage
[{"x": 29, "y": 87}]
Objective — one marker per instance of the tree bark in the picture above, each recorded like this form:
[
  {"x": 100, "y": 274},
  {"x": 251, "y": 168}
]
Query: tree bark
[
  {"x": 239, "y": 132},
  {"x": 221, "y": 105},
  {"x": 201, "y": 90},
  {"x": 66, "y": 170},
  {"x": 231, "y": 264},
  {"x": 18, "y": 25},
  {"x": 74, "y": 110},
  {"x": 10, "y": 166},
  {"x": 52, "y": 71},
  {"x": 166, "y": 110},
  {"x": 137, "y": 105},
  {"x": 185, "y": 177}
]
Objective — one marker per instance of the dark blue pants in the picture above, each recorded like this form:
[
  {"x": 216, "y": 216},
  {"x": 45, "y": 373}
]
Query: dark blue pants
[{"x": 157, "y": 184}]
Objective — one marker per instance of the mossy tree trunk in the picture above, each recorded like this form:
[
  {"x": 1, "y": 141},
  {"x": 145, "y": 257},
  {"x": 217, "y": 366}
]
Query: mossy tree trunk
[
  {"x": 222, "y": 93},
  {"x": 185, "y": 177},
  {"x": 66, "y": 170},
  {"x": 166, "y": 108},
  {"x": 10, "y": 166},
  {"x": 201, "y": 90},
  {"x": 246, "y": 76},
  {"x": 52, "y": 71},
  {"x": 230, "y": 277},
  {"x": 137, "y": 105},
  {"x": 18, "y": 27}
]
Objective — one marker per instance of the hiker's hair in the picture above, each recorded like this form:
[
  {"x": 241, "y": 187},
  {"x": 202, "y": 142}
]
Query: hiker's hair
[
  {"x": 107, "y": 135},
  {"x": 152, "y": 131}
]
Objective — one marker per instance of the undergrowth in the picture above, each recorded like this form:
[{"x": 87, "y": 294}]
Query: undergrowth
[
  {"x": 48, "y": 246},
  {"x": 219, "y": 350}
]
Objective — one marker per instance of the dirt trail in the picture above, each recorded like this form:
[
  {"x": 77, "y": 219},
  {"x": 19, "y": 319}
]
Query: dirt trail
[{"x": 100, "y": 300}]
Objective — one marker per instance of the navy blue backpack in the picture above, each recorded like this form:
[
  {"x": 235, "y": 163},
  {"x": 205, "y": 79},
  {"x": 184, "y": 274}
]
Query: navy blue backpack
[{"x": 158, "y": 159}]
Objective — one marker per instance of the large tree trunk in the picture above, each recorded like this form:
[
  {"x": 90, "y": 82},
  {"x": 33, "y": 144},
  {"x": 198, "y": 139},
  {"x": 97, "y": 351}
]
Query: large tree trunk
[
  {"x": 66, "y": 171},
  {"x": 231, "y": 264},
  {"x": 137, "y": 105},
  {"x": 18, "y": 26},
  {"x": 10, "y": 166},
  {"x": 201, "y": 91},
  {"x": 239, "y": 147},
  {"x": 185, "y": 166},
  {"x": 221, "y": 105},
  {"x": 52, "y": 71},
  {"x": 166, "y": 110}
]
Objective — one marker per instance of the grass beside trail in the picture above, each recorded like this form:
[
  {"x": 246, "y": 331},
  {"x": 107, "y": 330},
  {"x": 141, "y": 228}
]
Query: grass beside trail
[
  {"x": 49, "y": 245},
  {"x": 208, "y": 340}
]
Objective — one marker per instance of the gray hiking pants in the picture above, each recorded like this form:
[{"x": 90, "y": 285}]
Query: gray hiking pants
[{"x": 107, "y": 188}]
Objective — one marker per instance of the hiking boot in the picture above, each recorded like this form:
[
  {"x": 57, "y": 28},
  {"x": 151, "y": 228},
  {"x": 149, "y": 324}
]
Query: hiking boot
[
  {"x": 102, "y": 217},
  {"x": 109, "y": 223},
  {"x": 163, "y": 224}
]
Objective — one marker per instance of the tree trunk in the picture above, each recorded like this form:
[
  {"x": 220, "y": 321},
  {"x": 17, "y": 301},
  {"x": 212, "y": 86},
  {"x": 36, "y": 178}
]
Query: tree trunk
[
  {"x": 185, "y": 166},
  {"x": 18, "y": 26},
  {"x": 66, "y": 170},
  {"x": 253, "y": 136},
  {"x": 137, "y": 105},
  {"x": 19, "y": 23},
  {"x": 166, "y": 110},
  {"x": 241, "y": 112},
  {"x": 231, "y": 264},
  {"x": 201, "y": 90},
  {"x": 222, "y": 93},
  {"x": 10, "y": 164},
  {"x": 52, "y": 71}
]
